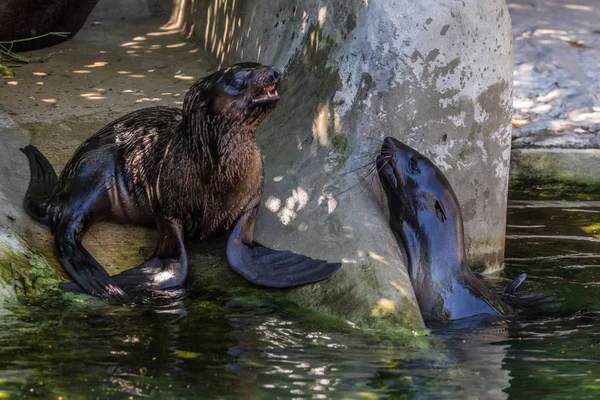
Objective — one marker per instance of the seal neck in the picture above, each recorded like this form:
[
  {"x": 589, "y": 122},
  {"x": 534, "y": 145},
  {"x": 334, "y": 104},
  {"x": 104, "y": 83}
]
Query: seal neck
[
  {"x": 215, "y": 139},
  {"x": 429, "y": 242}
]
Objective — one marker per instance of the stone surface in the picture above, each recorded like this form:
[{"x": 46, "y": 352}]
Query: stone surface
[
  {"x": 438, "y": 78},
  {"x": 557, "y": 81},
  {"x": 573, "y": 165},
  {"x": 108, "y": 69}
]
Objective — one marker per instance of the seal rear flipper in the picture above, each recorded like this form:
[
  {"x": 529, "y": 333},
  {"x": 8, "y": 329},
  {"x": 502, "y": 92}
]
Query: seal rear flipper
[
  {"x": 81, "y": 265},
  {"x": 42, "y": 185},
  {"x": 515, "y": 285},
  {"x": 155, "y": 274},
  {"x": 166, "y": 269},
  {"x": 271, "y": 268},
  {"x": 89, "y": 276}
]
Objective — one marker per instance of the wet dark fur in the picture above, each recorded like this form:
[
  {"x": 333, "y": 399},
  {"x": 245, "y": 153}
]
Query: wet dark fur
[
  {"x": 191, "y": 172},
  {"x": 426, "y": 218},
  {"x": 22, "y": 19},
  {"x": 181, "y": 163}
]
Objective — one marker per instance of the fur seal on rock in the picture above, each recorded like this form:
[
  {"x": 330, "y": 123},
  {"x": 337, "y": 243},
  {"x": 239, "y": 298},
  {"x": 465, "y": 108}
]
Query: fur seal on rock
[
  {"x": 426, "y": 219},
  {"x": 189, "y": 172}
]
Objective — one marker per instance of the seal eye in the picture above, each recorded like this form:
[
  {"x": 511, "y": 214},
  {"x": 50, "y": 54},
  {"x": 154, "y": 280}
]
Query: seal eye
[
  {"x": 237, "y": 83},
  {"x": 439, "y": 210},
  {"x": 413, "y": 166}
]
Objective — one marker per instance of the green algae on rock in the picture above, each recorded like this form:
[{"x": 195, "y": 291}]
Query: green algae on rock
[{"x": 24, "y": 273}]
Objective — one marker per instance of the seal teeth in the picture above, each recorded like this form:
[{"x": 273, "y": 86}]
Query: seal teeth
[
  {"x": 268, "y": 89},
  {"x": 267, "y": 93}
]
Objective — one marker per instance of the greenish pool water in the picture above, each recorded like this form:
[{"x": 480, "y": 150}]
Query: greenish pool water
[{"x": 196, "y": 344}]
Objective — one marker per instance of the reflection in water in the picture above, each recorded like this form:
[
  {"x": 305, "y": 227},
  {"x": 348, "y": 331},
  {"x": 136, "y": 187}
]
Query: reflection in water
[{"x": 196, "y": 343}]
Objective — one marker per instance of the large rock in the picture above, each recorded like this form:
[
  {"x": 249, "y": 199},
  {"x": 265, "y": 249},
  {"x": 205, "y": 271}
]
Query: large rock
[{"x": 435, "y": 74}]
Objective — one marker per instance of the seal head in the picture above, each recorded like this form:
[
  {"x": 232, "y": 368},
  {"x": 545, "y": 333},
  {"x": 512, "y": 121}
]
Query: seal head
[{"x": 426, "y": 219}]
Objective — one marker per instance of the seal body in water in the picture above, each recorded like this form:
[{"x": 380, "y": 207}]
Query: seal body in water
[
  {"x": 189, "y": 172},
  {"x": 426, "y": 219}
]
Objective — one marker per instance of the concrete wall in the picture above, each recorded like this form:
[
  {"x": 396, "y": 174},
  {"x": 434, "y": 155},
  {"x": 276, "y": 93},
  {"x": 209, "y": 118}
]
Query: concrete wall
[{"x": 435, "y": 74}]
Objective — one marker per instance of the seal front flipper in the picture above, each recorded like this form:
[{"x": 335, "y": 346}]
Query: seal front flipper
[
  {"x": 168, "y": 266},
  {"x": 271, "y": 268}
]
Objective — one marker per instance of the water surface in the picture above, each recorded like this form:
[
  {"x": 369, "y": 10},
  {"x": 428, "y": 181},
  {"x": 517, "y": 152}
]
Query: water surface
[{"x": 196, "y": 344}]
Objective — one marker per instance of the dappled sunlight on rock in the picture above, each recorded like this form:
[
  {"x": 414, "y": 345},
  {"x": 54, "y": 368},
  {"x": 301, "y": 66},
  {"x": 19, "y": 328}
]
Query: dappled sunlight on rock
[
  {"x": 92, "y": 96},
  {"x": 97, "y": 64},
  {"x": 383, "y": 308},
  {"x": 577, "y": 7},
  {"x": 321, "y": 127},
  {"x": 173, "y": 46},
  {"x": 400, "y": 288},
  {"x": 322, "y": 16},
  {"x": 184, "y": 77},
  {"x": 294, "y": 203},
  {"x": 50, "y": 100},
  {"x": 164, "y": 33},
  {"x": 329, "y": 201},
  {"x": 273, "y": 204},
  {"x": 380, "y": 258},
  {"x": 148, "y": 99},
  {"x": 129, "y": 80},
  {"x": 555, "y": 76}
]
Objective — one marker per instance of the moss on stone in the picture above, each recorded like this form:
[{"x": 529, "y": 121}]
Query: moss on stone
[
  {"x": 403, "y": 333},
  {"x": 553, "y": 189},
  {"x": 24, "y": 273},
  {"x": 341, "y": 145}
]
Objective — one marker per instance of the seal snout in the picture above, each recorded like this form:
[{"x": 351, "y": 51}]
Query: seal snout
[
  {"x": 385, "y": 164},
  {"x": 386, "y": 153},
  {"x": 276, "y": 74},
  {"x": 268, "y": 90}
]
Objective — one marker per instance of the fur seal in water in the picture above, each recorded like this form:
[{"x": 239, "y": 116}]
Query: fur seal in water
[
  {"x": 189, "y": 172},
  {"x": 426, "y": 219}
]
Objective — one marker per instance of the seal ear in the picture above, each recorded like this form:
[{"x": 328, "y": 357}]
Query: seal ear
[
  {"x": 439, "y": 210},
  {"x": 198, "y": 97}
]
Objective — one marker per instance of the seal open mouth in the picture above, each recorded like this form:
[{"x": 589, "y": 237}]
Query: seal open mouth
[{"x": 267, "y": 95}]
